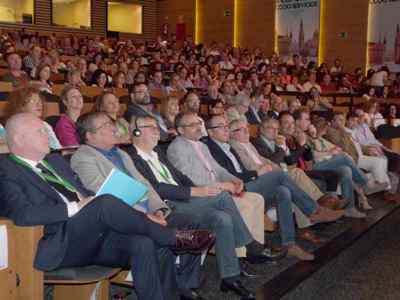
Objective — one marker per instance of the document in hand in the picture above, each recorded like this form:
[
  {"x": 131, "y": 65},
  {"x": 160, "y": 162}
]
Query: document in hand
[{"x": 124, "y": 187}]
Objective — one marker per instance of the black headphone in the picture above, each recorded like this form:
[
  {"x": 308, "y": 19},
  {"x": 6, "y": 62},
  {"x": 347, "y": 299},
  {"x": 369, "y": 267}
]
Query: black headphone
[{"x": 136, "y": 132}]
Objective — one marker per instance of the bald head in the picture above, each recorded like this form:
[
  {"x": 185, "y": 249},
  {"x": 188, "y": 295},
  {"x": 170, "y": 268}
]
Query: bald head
[{"x": 26, "y": 136}]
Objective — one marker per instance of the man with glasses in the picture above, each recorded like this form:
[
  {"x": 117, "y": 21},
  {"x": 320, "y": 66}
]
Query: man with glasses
[
  {"x": 190, "y": 156},
  {"x": 141, "y": 105},
  {"x": 268, "y": 180},
  {"x": 80, "y": 229},
  {"x": 98, "y": 156},
  {"x": 214, "y": 207}
]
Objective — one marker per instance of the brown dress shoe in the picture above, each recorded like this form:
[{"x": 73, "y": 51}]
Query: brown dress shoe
[
  {"x": 390, "y": 197},
  {"x": 297, "y": 251},
  {"x": 193, "y": 241},
  {"x": 325, "y": 215},
  {"x": 329, "y": 201},
  {"x": 311, "y": 237}
]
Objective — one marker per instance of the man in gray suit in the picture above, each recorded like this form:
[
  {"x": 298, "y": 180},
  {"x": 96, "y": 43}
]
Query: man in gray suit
[
  {"x": 194, "y": 159},
  {"x": 94, "y": 161}
]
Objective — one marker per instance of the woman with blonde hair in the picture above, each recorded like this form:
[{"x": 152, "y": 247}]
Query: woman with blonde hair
[
  {"x": 109, "y": 103},
  {"x": 169, "y": 110}
]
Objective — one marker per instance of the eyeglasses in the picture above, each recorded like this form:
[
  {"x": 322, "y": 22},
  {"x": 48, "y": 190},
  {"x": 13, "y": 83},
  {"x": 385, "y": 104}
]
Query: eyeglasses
[
  {"x": 153, "y": 127},
  {"x": 244, "y": 129},
  {"x": 105, "y": 124},
  {"x": 194, "y": 124},
  {"x": 218, "y": 126}
]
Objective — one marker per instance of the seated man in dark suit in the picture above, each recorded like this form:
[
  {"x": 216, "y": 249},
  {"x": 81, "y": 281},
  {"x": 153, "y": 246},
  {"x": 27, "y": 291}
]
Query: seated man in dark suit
[
  {"x": 214, "y": 207},
  {"x": 277, "y": 106},
  {"x": 80, "y": 229},
  {"x": 253, "y": 114},
  {"x": 269, "y": 181}
]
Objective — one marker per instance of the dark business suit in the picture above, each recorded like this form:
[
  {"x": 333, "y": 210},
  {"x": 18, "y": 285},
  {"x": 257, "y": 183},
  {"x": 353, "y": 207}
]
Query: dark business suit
[
  {"x": 220, "y": 156},
  {"x": 105, "y": 232},
  {"x": 251, "y": 116},
  {"x": 218, "y": 213},
  {"x": 329, "y": 179},
  {"x": 273, "y": 115}
]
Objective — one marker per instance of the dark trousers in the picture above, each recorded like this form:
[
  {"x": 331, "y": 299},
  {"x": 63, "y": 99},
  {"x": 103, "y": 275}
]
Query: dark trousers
[
  {"x": 109, "y": 232},
  {"x": 393, "y": 161},
  {"x": 189, "y": 268},
  {"x": 330, "y": 179}
]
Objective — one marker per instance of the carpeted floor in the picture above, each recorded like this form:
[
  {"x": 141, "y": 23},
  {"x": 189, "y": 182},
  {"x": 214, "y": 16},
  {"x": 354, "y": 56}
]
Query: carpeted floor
[
  {"x": 373, "y": 277},
  {"x": 210, "y": 288}
]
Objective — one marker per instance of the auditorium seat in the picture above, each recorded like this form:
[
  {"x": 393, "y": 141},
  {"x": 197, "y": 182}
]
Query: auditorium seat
[
  {"x": 20, "y": 281},
  {"x": 91, "y": 91},
  {"x": 57, "y": 89}
]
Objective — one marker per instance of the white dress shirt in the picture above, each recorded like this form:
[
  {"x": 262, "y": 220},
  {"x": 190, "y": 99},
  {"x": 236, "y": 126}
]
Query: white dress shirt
[
  {"x": 157, "y": 167},
  {"x": 227, "y": 150},
  {"x": 72, "y": 207}
]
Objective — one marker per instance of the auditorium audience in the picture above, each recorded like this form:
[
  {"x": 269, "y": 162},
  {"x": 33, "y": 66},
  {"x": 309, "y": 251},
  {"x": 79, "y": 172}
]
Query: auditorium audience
[
  {"x": 215, "y": 208},
  {"x": 96, "y": 158},
  {"x": 266, "y": 180},
  {"x": 190, "y": 156},
  {"x": 274, "y": 146},
  {"x": 238, "y": 86},
  {"x": 341, "y": 136},
  {"x": 296, "y": 138},
  {"x": 370, "y": 145},
  {"x": 74, "y": 219}
]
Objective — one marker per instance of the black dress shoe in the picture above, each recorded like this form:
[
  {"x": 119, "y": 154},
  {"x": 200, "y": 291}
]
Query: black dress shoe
[
  {"x": 275, "y": 255},
  {"x": 238, "y": 288},
  {"x": 259, "y": 259},
  {"x": 245, "y": 271},
  {"x": 191, "y": 295},
  {"x": 193, "y": 241}
]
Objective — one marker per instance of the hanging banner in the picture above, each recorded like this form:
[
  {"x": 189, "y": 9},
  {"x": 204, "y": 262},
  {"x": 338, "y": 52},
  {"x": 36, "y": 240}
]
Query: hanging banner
[
  {"x": 297, "y": 28},
  {"x": 384, "y": 34}
]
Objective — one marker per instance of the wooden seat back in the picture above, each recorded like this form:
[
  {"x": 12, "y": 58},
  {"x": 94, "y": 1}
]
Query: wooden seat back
[
  {"x": 6, "y": 86},
  {"x": 22, "y": 245},
  {"x": 20, "y": 281}
]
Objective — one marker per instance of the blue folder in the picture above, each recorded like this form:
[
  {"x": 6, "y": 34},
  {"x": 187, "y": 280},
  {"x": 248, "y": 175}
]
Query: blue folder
[{"x": 124, "y": 187}]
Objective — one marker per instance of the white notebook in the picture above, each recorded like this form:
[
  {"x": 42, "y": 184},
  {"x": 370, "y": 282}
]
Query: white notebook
[{"x": 3, "y": 247}]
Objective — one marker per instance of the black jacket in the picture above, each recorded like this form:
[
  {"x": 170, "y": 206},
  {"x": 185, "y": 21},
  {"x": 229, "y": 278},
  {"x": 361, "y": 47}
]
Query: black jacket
[
  {"x": 225, "y": 162},
  {"x": 180, "y": 192},
  {"x": 28, "y": 200}
]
